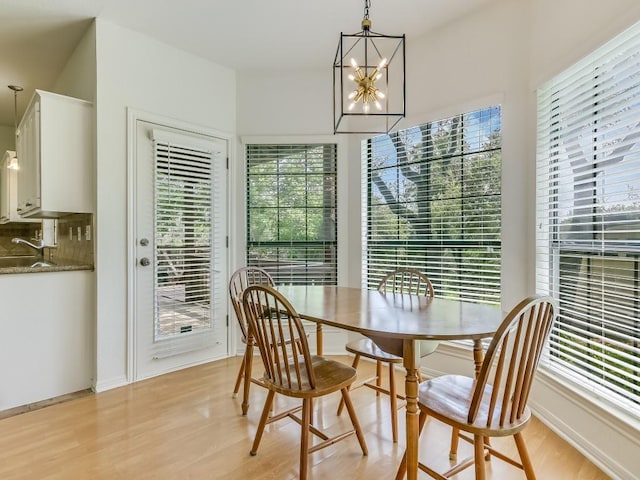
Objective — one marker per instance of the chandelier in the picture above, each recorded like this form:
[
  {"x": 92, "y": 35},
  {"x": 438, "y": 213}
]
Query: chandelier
[{"x": 368, "y": 80}]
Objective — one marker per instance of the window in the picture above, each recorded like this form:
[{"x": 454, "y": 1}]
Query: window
[
  {"x": 291, "y": 212},
  {"x": 432, "y": 202},
  {"x": 588, "y": 219},
  {"x": 186, "y": 189}
]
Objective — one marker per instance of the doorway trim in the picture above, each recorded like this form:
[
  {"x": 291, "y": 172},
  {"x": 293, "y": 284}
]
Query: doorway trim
[{"x": 133, "y": 116}]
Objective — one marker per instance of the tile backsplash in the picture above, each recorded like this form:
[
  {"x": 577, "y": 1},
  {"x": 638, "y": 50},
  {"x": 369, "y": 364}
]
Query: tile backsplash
[
  {"x": 74, "y": 235},
  {"x": 12, "y": 230}
]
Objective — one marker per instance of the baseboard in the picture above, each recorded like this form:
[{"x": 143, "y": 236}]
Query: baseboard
[
  {"x": 105, "y": 385},
  {"x": 11, "y": 412},
  {"x": 600, "y": 454}
]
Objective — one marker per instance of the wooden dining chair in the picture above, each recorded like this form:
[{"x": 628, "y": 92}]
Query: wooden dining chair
[
  {"x": 239, "y": 281},
  {"x": 292, "y": 371},
  {"x": 407, "y": 280},
  {"x": 495, "y": 403}
]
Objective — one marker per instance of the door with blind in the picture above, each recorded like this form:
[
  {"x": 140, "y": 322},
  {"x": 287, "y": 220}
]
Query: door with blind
[{"x": 180, "y": 249}]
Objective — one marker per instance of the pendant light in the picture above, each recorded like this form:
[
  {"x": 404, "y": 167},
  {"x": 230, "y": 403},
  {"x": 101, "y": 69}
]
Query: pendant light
[
  {"x": 368, "y": 80},
  {"x": 13, "y": 162}
]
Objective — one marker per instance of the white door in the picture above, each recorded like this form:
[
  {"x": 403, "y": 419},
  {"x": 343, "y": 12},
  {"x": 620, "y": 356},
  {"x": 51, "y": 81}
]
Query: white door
[{"x": 180, "y": 301}]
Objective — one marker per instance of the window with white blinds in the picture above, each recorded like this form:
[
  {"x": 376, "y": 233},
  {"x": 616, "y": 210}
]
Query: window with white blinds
[
  {"x": 431, "y": 201},
  {"x": 183, "y": 239},
  {"x": 588, "y": 219},
  {"x": 291, "y": 212}
]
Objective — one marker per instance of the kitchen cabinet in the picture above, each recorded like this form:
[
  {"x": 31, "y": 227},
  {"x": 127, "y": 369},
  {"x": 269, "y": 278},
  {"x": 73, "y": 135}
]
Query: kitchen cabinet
[
  {"x": 55, "y": 152},
  {"x": 9, "y": 192}
]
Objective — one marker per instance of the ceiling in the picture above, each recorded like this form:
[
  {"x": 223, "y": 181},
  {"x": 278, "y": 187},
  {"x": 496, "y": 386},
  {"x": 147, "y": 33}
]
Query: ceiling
[{"x": 38, "y": 36}]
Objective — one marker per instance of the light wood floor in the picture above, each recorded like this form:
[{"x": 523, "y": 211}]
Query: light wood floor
[{"x": 186, "y": 425}]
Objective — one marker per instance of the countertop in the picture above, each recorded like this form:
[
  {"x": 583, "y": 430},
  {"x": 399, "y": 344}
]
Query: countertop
[{"x": 23, "y": 265}]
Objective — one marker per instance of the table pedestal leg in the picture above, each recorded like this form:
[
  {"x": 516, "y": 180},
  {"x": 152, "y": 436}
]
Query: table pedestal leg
[{"x": 411, "y": 359}]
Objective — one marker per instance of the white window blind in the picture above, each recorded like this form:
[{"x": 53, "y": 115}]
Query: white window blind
[
  {"x": 588, "y": 218},
  {"x": 431, "y": 201},
  {"x": 292, "y": 213},
  {"x": 189, "y": 294}
]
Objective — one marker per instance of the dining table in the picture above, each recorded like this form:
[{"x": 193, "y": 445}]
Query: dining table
[{"x": 397, "y": 322}]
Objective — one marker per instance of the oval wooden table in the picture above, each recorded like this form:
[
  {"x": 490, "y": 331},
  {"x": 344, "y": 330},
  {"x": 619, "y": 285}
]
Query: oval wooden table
[{"x": 396, "y": 323}]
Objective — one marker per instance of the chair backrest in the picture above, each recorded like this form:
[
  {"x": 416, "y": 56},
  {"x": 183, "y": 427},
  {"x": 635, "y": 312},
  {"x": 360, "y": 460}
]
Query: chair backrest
[
  {"x": 406, "y": 280},
  {"x": 280, "y": 337},
  {"x": 511, "y": 361},
  {"x": 239, "y": 281}
]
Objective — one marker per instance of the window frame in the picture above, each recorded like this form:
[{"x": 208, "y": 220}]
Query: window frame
[
  {"x": 241, "y": 247},
  {"x": 368, "y": 280}
]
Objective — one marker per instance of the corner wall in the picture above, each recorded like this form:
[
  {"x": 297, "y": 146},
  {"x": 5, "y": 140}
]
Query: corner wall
[{"x": 136, "y": 71}]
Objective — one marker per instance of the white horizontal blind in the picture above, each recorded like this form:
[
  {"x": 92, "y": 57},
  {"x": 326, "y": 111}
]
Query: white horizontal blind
[
  {"x": 431, "y": 201},
  {"x": 184, "y": 259},
  {"x": 291, "y": 212},
  {"x": 588, "y": 218}
]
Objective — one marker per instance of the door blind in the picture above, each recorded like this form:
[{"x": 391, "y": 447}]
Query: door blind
[
  {"x": 292, "y": 212},
  {"x": 432, "y": 201},
  {"x": 588, "y": 218},
  {"x": 186, "y": 233}
]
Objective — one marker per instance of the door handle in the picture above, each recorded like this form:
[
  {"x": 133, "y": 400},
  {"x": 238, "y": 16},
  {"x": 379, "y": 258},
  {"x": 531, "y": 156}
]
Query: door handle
[{"x": 144, "y": 261}]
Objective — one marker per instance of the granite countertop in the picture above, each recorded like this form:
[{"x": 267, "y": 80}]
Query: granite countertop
[{"x": 9, "y": 265}]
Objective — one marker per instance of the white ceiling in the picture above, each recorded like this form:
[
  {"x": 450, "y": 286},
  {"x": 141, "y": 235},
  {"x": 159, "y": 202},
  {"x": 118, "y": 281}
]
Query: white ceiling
[{"x": 38, "y": 36}]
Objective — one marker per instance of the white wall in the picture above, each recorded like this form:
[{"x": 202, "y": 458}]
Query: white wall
[
  {"x": 562, "y": 32},
  {"x": 136, "y": 71},
  {"x": 499, "y": 54},
  {"x": 7, "y": 139}
]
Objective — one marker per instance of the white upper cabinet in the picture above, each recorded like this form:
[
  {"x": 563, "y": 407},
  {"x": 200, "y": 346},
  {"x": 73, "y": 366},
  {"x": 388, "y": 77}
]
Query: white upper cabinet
[{"x": 55, "y": 153}]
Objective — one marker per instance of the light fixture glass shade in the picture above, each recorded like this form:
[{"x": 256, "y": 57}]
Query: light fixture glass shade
[
  {"x": 368, "y": 82},
  {"x": 13, "y": 162}
]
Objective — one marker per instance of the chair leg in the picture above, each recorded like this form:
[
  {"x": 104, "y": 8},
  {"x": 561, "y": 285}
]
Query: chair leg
[
  {"x": 304, "y": 437},
  {"x": 248, "y": 361},
  {"x": 402, "y": 468},
  {"x": 453, "y": 451},
  {"x": 263, "y": 422},
  {"x": 378, "y": 376},
  {"x": 487, "y": 442},
  {"x": 354, "y": 420},
  {"x": 527, "y": 466},
  {"x": 356, "y": 361},
  {"x": 240, "y": 376},
  {"x": 393, "y": 402},
  {"x": 478, "y": 456}
]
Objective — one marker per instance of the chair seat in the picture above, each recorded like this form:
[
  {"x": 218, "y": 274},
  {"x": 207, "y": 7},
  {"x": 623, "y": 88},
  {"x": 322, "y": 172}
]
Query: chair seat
[
  {"x": 367, "y": 348},
  {"x": 330, "y": 375},
  {"x": 449, "y": 397}
]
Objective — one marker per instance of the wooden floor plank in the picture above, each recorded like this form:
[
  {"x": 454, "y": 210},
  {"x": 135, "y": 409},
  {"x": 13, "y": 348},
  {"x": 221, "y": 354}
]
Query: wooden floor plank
[{"x": 186, "y": 425}]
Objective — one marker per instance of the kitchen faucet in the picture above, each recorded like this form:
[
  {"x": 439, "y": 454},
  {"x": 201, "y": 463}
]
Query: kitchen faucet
[{"x": 38, "y": 246}]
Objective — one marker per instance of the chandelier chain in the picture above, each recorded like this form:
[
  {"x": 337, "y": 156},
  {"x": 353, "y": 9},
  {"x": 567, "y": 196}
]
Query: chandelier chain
[{"x": 367, "y": 5}]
